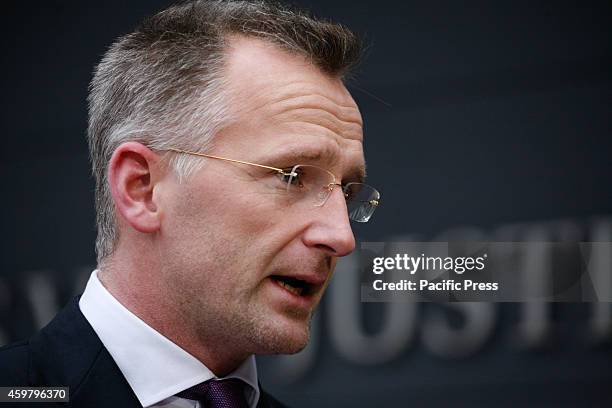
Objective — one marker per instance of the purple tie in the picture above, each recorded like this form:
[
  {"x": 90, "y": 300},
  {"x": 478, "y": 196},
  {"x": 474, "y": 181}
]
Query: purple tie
[{"x": 217, "y": 394}]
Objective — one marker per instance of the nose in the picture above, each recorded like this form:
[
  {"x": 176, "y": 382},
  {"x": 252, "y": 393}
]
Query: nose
[{"x": 330, "y": 229}]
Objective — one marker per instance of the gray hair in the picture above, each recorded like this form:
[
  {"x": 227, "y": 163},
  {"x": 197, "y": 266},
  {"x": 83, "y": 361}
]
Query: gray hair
[{"x": 162, "y": 85}]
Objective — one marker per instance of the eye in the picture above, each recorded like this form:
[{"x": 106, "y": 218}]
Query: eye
[
  {"x": 352, "y": 191},
  {"x": 292, "y": 176}
]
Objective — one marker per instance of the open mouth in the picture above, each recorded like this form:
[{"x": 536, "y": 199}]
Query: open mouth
[{"x": 296, "y": 286}]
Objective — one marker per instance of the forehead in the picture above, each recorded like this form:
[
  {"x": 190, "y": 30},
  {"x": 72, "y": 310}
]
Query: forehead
[{"x": 281, "y": 101}]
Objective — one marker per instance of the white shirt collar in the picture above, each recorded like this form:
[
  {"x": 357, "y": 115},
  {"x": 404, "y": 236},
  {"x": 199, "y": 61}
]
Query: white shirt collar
[{"x": 155, "y": 367}]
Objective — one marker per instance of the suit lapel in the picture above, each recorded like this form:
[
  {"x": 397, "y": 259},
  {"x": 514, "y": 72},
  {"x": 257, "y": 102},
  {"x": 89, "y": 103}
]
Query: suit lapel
[
  {"x": 104, "y": 386},
  {"x": 67, "y": 352}
]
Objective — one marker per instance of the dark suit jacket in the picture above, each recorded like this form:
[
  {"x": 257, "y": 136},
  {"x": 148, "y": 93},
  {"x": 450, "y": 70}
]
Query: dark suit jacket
[{"x": 67, "y": 352}]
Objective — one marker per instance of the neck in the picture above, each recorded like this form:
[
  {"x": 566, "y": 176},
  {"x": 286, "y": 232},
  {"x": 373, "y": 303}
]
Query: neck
[{"x": 143, "y": 291}]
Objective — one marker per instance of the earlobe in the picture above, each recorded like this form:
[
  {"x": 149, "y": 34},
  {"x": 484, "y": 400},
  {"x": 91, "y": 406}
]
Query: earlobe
[{"x": 132, "y": 175}]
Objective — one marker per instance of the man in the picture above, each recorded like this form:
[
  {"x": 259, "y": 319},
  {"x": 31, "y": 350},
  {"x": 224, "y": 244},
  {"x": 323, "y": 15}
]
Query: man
[{"x": 228, "y": 160}]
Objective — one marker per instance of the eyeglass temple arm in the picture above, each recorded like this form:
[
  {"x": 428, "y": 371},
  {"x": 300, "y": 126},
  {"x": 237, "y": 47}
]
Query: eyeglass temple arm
[{"x": 280, "y": 171}]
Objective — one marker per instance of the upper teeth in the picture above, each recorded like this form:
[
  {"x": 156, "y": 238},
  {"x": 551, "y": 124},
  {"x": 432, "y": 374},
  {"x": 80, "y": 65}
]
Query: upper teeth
[{"x": 292, "y": 289}]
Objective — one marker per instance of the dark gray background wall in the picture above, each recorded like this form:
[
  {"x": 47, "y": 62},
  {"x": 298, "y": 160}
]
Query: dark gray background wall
[{"x": 489, "y": 116}]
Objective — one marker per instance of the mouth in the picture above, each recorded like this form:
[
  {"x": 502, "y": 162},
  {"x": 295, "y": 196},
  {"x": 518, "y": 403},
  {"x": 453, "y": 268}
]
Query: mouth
[{"x": 295, "y": 286}]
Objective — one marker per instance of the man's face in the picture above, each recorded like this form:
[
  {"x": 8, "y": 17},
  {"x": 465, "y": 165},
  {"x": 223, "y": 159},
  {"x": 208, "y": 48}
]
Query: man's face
[{"x": 231, "y": 239}]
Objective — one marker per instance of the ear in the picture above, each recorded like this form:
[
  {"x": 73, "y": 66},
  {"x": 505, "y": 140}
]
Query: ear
[{"x": 133, "y": 173}]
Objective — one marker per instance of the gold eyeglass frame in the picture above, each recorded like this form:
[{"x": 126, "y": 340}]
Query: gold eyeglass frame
[{"x": 330, "y": 186}]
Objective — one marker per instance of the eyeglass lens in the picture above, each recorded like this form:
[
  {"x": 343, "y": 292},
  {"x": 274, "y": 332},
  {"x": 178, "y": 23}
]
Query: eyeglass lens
[{"x": 315, "y": 184}]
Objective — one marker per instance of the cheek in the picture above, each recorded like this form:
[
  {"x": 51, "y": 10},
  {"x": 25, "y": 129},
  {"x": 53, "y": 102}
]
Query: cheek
[
  {"x": 248, "y": 213},
  {"x": 230, "y": 228}
]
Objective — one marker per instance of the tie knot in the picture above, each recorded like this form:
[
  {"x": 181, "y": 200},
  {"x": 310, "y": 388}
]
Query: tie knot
[{"x": 218, "y": 394}]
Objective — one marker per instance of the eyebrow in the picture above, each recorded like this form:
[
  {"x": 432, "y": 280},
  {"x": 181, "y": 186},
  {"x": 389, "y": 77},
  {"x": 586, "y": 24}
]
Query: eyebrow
[
  {"x": 294, "y": 155},
  {"x": 358, "y": 173}
]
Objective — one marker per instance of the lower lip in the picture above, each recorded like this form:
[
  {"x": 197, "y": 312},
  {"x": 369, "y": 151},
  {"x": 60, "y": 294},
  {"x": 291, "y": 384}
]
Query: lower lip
[{"x": 302, "y": 302}]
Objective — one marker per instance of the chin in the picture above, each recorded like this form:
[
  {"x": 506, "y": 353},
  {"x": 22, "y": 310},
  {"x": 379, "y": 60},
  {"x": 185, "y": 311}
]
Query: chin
[{"x": 282, "y": 336}]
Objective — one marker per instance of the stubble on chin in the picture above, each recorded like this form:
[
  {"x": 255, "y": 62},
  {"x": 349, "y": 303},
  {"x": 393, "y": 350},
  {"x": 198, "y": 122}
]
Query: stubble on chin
[
  {"x": 254, "y": 330},
  {"x": 277, "y": 337}
]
